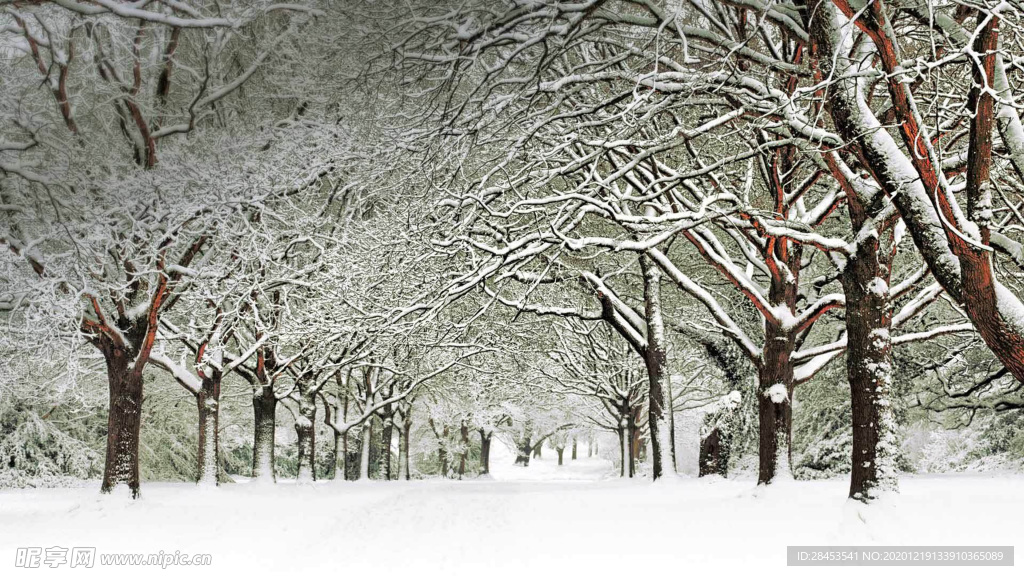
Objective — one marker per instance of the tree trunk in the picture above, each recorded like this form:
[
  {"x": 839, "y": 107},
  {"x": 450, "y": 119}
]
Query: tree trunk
[
  {"x": 523, "y": 451},
  {"x": 656, "y": 360},
  {"x": 775, "y": 375},
  {"x": 590, "y": 448},
  {"x": 208, "y": 403},
  {"x": 624, "y": 451},
  {"x": 537, "y": 450},
  {"x": 406, "y": 429},
  {"x": 560, "y": 451},
  {"x": 264, "y": 406},
  {"x": 305, "y": 430},
  {"x": 364, "y": 449},
  {"x": 573, "y": 448},
  {"x": 341, "y": 442},
  {"x": 869, "y": 365},
  {"x": 711, "y": 454},
  {"x": 464, "y": 440},
  {"x": 774, "y": 408},
  {"x": 485, "y": 453},
  {"x": 631, "y": 446},
  {"x": 385, "y": 445},
  {"x": 124, "y": 421}
]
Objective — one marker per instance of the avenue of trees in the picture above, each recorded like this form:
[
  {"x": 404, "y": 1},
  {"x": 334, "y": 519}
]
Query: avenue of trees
[{"x": 412, "y": 229}]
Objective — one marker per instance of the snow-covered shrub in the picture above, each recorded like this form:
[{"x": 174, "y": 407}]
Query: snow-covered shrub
[{"x": 34, "y": 452}]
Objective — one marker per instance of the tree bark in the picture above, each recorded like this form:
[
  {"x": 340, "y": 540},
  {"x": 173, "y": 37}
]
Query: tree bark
[
  {"x": 464, "y": 440},
  {"x": 385, "y": 445},
  {"x": 208, "y": 403},
  {"x": 574, "y": 448},
  {"x": 124, "y": 421},
  {"x": 624, "y": 451},
  {"x": 485, "y": 452},
  {"x": 364, "y": 449},
  {"x": 869, "y": 364},
  {"x": 560, "y": 452},
  {"x": 305, "y": 430},
  {"x": 264, "y": 406},
  {"x": 656, "y": 360},
  {"x": 406, "y": 429},
  {"x": 774, "y": 407},
  {"x": 523, "y": 451}
]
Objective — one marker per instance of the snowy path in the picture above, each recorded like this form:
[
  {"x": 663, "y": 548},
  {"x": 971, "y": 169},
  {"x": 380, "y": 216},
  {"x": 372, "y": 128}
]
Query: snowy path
[{"x": 542, "y": 520}]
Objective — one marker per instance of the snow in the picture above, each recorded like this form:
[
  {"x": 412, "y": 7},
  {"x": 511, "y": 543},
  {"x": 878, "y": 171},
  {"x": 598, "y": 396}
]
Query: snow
[
  {"x": 543, "y": 519},
  {"x": 778, "y": 393}
]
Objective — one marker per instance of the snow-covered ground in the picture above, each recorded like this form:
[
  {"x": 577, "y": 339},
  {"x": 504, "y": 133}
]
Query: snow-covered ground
[{"x": 543, "y": 519}]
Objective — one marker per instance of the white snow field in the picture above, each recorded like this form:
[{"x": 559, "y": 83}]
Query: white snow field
[{"x": 545, "y": 519}]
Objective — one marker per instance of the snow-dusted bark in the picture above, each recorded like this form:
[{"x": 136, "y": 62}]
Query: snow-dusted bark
[
  {"x": 656, "y": 360},
  {"x": 264, "y": 406},
  {"x": 305, "y": 429},
  {"x": 208, "y": 404}
]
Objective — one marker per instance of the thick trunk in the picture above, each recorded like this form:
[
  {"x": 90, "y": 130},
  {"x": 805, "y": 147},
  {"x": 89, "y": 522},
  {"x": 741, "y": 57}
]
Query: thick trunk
[
  {"x": 869, "y": 365},
  {"x": 305, "y": 430},
  {"x": 485, "y": 453},
  {"x": 208, "y": 403},
  {"x": 264, "y": 406},
  {"x": 775, "y": 374},
  {"x": 573, "y": 448},
  {"x": 560, "y": 453},
  {"x": 774, "y": 408},
  {"x": 537, "y": 450},
  {"x": 124, "y": 421},
  {"x": 656, "y": 360}
]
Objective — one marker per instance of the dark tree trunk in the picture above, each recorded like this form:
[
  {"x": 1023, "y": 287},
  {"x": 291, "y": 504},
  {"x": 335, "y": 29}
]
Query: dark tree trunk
[
  {"x": 305, "y": 430},
  {"x": 573, "y": 448},
  {"x": 537, "y": 450},
  {"x": 624, "y": 451},
  {"x": 774, "y": 408},
  {"x": 523, "y": 452},
  {"x": 442, "y": 453},
  {"x": 485, "y": 452},
  {"x": 385, "y": 445},
  {"x": 124, "y": 421},
  {"x": 713, "y": 459},
  {"x": 464, "y": 440},
  {"x": 869, "y": 359},
  {"x": 775, "y": 375},
  {"x": 264, "y": 406},
  {"x": 560, "y": 452},
  {"x": 406, "y": 429},
  {"x": 631, "y": 442},
  {"x": 341, "y": 443},
  {"x": 208, "y": 403}
]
